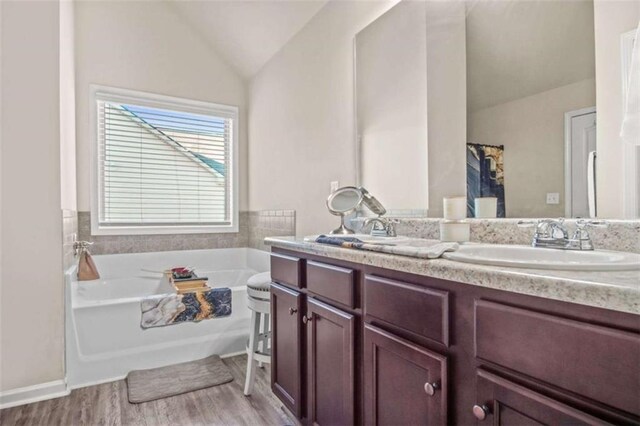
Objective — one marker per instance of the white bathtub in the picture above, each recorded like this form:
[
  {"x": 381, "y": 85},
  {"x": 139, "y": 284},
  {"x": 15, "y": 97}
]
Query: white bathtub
[{"x": 104, "y": 340}]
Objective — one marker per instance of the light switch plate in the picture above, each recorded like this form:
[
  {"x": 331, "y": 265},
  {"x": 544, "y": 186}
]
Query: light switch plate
[
  {"x": 335, "y": 185},
  {"x": 553, "y": 198}
]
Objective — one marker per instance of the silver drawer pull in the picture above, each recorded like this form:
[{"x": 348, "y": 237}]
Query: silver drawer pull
[
  {"x": 431, "y": 388},
  {"x": 481, "y": 411}
]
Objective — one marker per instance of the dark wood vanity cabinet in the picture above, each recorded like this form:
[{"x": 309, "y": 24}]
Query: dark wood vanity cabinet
[
  {"x": 330, "y": 367},
  {"x": 595, "y": 361},
  {"x": 314, "y": 341},
  {"x": 502, "y": 402},
  {"x": 404, "y": 384},
  {"x": 355, "y": 344},
  {"x": 286, "y": 353}
]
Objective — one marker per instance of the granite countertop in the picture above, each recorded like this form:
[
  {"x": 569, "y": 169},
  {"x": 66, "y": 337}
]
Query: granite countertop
[{"x": 615, "y": 290}]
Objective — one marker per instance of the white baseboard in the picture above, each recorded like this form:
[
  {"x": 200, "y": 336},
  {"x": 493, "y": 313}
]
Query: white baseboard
[
  {"x": 96, "y": 382},
  {"x": 35, "y": 393}
]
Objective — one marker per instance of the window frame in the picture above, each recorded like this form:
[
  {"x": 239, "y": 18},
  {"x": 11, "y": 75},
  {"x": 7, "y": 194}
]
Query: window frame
[{"x": 99, "y": 92}]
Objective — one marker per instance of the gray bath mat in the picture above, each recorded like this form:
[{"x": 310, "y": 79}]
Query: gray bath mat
[{"x": 162, "y": 382}]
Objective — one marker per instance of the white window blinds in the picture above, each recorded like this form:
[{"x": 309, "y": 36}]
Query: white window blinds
[{"x": 163, "y": 167}]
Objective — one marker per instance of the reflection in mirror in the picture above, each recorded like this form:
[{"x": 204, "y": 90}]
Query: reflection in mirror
[
  {"x": 484, "y": 98},
  {"x": 392, "y": 107},
  {"x": 529, "y": 64}
]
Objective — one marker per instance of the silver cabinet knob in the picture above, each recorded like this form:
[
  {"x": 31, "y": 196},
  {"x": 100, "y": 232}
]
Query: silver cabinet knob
[
  {"x": 292, "y": 311},
  {"x": 481, "y": 411},
  {"x": 430, "y": 388},
  {"x": 306, "y": 319}
]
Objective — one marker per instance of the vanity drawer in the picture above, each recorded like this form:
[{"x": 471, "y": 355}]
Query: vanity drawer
[
  {"x": 333, "y": 282},
  {"x": 286, "y": 269},
  {"x": 597, "y": 362},
  {"x": 418, "y": 310}
]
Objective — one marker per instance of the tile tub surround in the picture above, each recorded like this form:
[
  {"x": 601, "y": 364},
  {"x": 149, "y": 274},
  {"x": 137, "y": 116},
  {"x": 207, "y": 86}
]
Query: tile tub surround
[
  {"x": 620, "y": 235},
  {"x": 110, "y": 244},
  {"x": 616, "y": 290},
  {"x": 254, "y": 227},
  {"x": 270, "y": 223},
  {"x": 69, "y": 235}
]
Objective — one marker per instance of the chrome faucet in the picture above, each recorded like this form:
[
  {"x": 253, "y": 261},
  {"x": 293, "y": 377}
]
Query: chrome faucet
[
  {"x": 382, "y": 227},
  {"x": 553, "y": 233},
  {"x": 78, "y": 246}
]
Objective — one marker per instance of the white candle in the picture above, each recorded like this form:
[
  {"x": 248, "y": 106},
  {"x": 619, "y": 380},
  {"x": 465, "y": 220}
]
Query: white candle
[
  {"x": 454, "y": 230},
  {"x": 455, "y": 208},
  {"x": 486, "y": 207}
]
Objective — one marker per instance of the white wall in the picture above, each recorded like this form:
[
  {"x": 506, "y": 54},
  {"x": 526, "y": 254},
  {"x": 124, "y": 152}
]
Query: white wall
[
  {"x": 31, "y": 283},
  {"x": 612, "y": 19},
  {"x": 67, "y": 108},
  {"x": 301, "y": 121},
  {"x": 146, "y": 46},
  {"x": 446, "y": 101},
  {"x": 532, "y": 132},
  {"x": 1, "y": 182},
  {"x": 391, "y": 88}
]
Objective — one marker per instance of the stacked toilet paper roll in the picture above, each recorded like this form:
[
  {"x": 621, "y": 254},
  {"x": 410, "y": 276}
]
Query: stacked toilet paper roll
[{"x": 454, "y": 227}]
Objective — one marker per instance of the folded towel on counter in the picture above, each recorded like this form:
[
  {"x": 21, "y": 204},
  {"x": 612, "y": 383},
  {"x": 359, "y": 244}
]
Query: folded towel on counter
[{"x": 420, "y": 248}]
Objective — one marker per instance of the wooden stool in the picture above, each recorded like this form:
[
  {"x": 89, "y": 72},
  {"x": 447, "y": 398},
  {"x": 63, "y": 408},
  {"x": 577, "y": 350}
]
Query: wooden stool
[{"x": 259, "y": 344}]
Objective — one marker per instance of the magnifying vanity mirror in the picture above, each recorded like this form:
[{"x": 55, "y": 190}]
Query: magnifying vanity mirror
[
  {"x": 343, "y": 202},
  {"x": 495, "y": 99},
  {"x": 346, "y": 200}
]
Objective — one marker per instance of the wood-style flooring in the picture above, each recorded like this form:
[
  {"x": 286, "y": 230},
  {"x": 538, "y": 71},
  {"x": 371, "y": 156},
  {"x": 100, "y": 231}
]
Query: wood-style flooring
[{"x": 107, "y": 404}]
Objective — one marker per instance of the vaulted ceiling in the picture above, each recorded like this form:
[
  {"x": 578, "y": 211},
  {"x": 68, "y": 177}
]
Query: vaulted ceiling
[{"x": 247, "y": 33}]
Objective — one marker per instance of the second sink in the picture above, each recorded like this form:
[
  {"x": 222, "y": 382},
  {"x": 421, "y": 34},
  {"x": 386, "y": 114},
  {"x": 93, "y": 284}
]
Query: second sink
[{"x": 542, "y": 258}]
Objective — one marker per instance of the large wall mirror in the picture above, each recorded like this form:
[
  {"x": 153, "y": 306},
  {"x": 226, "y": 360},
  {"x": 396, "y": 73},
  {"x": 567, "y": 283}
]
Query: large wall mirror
[{"x": 483, "y": 99}]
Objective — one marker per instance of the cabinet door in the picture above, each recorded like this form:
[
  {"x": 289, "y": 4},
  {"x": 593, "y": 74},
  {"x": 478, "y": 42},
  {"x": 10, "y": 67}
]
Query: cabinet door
[
  {"x": 502, "y": 402},
  {"x": 286, "y": 346},
  {"x": 330, "y": 349},
  {"x": 405, "y": 384}
]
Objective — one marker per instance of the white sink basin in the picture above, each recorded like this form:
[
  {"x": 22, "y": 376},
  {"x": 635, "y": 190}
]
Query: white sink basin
[
  {"x": 366, "y": 238},
  {"x": 544, "y": 258}
]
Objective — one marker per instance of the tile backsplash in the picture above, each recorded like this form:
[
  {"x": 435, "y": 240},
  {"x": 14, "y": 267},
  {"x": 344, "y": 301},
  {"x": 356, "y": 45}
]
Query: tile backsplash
[
  {"x": 622, "y": 235},
  {"x": 254, "y": 226},
  {"x": 270, "y": 223},
  {"x": 69, "y": 235}
]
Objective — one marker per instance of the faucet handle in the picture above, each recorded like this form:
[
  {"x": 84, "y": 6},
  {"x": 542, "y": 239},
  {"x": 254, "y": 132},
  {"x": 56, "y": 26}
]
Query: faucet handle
[
  {"x": 541, "y": 225},
  {"x": 581, "y": 235},
  {"x": 391, "y": 227},
  {"x": 582, "y": 225}
]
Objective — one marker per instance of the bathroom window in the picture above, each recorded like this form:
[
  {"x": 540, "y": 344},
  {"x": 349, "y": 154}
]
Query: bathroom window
[{"x": 162, "y": 164}]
